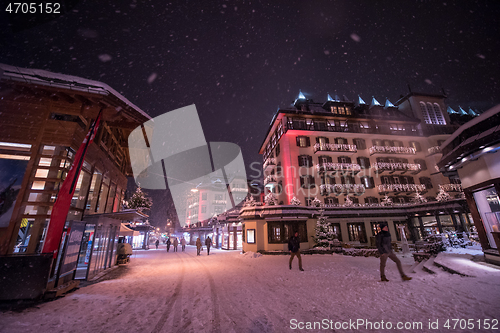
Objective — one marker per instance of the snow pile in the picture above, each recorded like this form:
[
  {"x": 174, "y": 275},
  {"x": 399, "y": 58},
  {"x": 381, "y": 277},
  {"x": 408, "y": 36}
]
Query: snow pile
[
  {"x": 251, "y": 255},
  {"x": 464, "y": 264}
]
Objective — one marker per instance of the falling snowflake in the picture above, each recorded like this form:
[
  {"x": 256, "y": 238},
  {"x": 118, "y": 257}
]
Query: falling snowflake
[
  {"x": 105, "y": 57},
  {"x": 355, "y": 37},
  {"x": 152, "y": 78}
]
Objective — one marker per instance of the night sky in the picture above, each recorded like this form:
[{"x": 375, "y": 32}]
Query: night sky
[{"x": 239, "y": 60}]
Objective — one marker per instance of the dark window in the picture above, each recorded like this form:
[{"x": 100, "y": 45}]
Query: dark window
[
  {"x": 320, "y": 126},
  {"x": 426, "y": 181},
  {"x": 307, "y": 181},
  {"x": 360, "y": 143},
  {"x": 364, "y": 162},
  {"x": 415, "y": 145},
  {"x": 303, "y": 141},
  {"x": 305, "y": 161},
  {"x": 331, "y": 201},
  {"x": 308, "y": 201},
  {"x": 397, "y": 143},
  {"x": 348, "y": 180},
  {"x": 371, "y": 200},
  {"x": 299, "y": 123},
  {"x": 344, "y": 159},
  {"x": 281, "y": 232},
  {"x": 277, "y": 150},
  {"x": 422, "y": 163},
  {"x": 377, "y": 142},
  {"x": 324, "y": 159},
  {"x": 386, "y": 180}
]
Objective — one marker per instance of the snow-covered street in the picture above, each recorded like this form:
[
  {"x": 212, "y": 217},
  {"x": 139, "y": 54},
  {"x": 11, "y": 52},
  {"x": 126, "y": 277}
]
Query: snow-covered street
[{"x": 231, "y": 292}]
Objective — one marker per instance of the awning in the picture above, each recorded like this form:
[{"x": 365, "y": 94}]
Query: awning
[{"x": 124, "y": 231}]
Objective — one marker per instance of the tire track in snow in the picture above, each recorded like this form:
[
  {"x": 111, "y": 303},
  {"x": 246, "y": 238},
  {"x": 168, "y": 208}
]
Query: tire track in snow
[
  {"x": 171, "y": 301},
  {"x": 215, "y": 302}
]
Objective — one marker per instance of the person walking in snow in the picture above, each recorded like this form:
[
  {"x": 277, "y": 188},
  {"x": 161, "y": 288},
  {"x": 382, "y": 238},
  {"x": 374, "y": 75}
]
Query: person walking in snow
[
  {"x": 176, "y": 243},
  {"x": 294, "y": 248},
  {"x": 157, "y": 243},
  {"x": 384, "y": 247},
  {"x": 183, "y": 244},
  {"x": 198, "y": 246},
  {"x": 208, "y": 243},
  {"x": 168, "y": 244}
]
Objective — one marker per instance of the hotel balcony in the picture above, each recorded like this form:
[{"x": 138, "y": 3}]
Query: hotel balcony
[
  {"x": 269, "y": 164},
  {"x": 392, "y": 150},
  {"x": 401, "y": 168},
  {"x": 385, "y": 188},
  {"x": 451, "y": 187},
  {"x": 335, "y": 148},
  {"x": 433, "y": 150},
  {"x": 337, "y": 189},
  {"x": 270, "y": 180},
  {"x": 193, "y": 205},
  {"x": 334, "y": 167}
]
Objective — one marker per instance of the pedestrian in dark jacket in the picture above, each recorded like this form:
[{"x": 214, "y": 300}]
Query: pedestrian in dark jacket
[
  {"x": 208, "y": 243},
  {"x": 384, "y": 247},
  {"x": 176, "y": 243},
  {"x": 198, "y": 246},
  {"x": 157, "y": 243},
  {"x": 294, "y": 248},
  {"x": 168, "y": 244}
]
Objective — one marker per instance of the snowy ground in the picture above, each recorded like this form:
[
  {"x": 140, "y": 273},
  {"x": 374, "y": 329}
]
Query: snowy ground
[{"x": 231, "y": 292}]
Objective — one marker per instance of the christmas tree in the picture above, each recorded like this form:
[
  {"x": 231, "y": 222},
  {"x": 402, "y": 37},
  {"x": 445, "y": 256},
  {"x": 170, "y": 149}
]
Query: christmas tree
[
  {"x": 386, "y": 201},
  {"x": 348, "y": 202},
  {"x": 270, "y": 200},
  {"x": 139, "y": 201},
  {"x": 443, "y": 195},
  {"x": 295, "y": 201},
  {"x": 418, "y": 198},
  {"x": 324, "y": 232},
  {"x": 316, "y": 202},
  {"x": 249, "y": 202}
]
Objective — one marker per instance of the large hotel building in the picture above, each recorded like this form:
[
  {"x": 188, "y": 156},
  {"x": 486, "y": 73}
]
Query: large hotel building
[{"x": 365, "y": 162}]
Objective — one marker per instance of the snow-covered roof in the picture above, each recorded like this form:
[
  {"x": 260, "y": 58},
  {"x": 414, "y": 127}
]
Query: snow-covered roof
[{"x": 75, "y": 83}]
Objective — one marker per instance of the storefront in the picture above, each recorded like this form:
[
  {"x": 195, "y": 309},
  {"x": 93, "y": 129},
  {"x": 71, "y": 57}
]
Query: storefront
[{"x": 471, "y": 155}]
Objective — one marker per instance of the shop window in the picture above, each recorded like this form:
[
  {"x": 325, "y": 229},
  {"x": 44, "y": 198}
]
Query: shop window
[
  {"x": 281, "y": 232},
  {"x": 357, "y": 232},
  {"x": 376, "y": 227},
  {"x": 335, "y": 227},
  {"x": 250, "y": 233}
]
